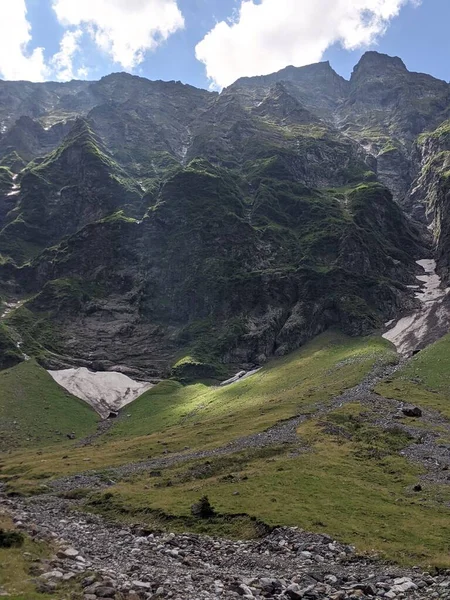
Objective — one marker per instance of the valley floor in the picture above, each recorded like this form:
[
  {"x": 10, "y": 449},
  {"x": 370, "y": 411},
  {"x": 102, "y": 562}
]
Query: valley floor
[{"x": 323, "y": 439}]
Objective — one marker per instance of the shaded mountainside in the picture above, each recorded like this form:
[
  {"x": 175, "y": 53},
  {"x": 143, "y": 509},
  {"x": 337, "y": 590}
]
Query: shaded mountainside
[{"x": 155, "y": 227}]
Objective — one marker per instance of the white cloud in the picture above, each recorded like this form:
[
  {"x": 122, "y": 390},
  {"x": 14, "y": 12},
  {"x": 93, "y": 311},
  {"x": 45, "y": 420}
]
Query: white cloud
[
  {"x": 125, "y": 29},
  {"x": 272, "y": 34},
  {"x": 16, "y": 62},
  {"x": 62, "y": 61}
]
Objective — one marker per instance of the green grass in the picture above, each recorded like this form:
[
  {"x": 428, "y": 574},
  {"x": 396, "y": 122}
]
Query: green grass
[
  {"x": 14, "y": 567},
  {"x": 425, "y": 380},
  {"x": 356, "y": 489},
  {"x": 33, "y": 409},
  {"x": 208, "y": 415},
  {"x": 346, "y": 478},
  {"x": 172, "y": 416}
]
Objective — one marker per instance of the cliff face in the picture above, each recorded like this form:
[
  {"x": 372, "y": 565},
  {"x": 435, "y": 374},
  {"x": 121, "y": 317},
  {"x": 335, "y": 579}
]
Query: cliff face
[{"x": 153, "y": 227}]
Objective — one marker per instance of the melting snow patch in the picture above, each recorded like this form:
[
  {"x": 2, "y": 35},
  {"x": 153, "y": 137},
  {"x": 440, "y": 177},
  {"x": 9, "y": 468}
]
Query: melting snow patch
[
  {"x": 106, "y": 391},
  {"x": 240, "y": 376},
  {"x": 428, "y": 323}
]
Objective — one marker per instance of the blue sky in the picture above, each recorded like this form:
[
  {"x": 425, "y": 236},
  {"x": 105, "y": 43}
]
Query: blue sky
[{"x": 210, "y": 43}]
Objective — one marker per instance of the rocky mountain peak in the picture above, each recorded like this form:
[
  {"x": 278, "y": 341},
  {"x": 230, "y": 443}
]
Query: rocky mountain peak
[
  {"x": 308, "y": 75},
  {"x": 376, "y": 64}
]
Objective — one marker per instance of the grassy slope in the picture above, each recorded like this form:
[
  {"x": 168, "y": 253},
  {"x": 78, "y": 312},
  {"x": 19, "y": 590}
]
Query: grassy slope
[
  {"x": 172, "y": 417},
  {"x": 33, "y": 408},
  {"x": 352, "y": 485},
  {"x": 320, "y": 370},
  {"x": 334, "y": 487},
  {"x": 425, "y": 380}
]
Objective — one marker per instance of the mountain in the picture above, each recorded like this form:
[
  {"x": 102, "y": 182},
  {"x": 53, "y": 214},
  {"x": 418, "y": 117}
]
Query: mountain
[
  {"x": 271, "y": 265},
  {"x": 155, "y": 228}
]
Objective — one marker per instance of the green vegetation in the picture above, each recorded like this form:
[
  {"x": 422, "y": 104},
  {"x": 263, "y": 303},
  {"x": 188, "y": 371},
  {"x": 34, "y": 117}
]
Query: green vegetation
[
  {"x": 15, "y": 563},
  {"x": 441, "y": 133},
  {"x": 39, "y": 335},
  {"x": 346, "y": 479},
  {"x": 425, "y": 380},
  {"x": 172, "y": 416},
  {"x": 285, "y": 387},
  {"x": 36, "y": 412},
  {"x": 10, "y": 355},
  {"x": 344, "y": 476},
  {"x": 78, "y": 171}
]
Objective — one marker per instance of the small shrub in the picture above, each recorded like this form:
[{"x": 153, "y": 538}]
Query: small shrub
[
  {"x": 11, "y": 539},
  {"x": 202, "y": 509}
]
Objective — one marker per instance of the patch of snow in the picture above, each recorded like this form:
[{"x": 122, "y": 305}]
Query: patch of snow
[
  {"x": 15, "y": 188},
  {"x": 105, "y": 391},
  {"x": 240, "y": 377},
  {"x": 430, "y": 321},
  {"x": 432, "y": 289},
  {"x": 19, "y": 347},
  {"x": 9, "y": 307}
]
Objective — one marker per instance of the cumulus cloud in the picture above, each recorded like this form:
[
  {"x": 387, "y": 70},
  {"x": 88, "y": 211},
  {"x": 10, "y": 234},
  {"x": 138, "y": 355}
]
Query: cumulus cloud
[
  {"x": 271, "y": 34},
  {"x": 62, "y": 61},
  {"x": 125, "y": 29},
  {"x": 16, "y": 60}
]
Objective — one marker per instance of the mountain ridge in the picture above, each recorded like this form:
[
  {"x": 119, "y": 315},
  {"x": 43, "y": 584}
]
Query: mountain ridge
[{"x": 215, "y": 229}]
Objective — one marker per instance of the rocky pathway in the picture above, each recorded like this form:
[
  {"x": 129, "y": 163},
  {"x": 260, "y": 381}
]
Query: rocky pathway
[{"x": 124, "y": 563}]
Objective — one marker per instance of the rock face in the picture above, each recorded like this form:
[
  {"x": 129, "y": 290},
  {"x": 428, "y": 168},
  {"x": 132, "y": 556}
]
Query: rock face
[{"x": 162, "y": 229}]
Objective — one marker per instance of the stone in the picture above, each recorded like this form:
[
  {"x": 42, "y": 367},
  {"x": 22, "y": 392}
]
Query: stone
[
  {"x": 141, "y": 585},
  {"x": 68, "y": 553},
  {"x": 52, "y": 575},
  {"x": 244, "y": 590},
  {"x": 403, "y": 584},
  {"x": 105, "y": 592},
  {"x": 294, "y": 592}
]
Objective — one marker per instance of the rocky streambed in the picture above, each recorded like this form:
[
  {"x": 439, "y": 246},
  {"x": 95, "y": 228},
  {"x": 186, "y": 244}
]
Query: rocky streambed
[{"x": 130, "y": 563}]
